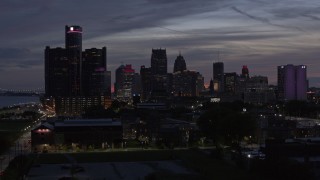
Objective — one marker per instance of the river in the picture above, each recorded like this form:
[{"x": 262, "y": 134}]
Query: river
[{"x": 15, "y": 100}]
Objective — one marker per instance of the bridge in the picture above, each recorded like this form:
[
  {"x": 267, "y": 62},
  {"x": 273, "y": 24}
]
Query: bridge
[{"x": 36, "y": 91}]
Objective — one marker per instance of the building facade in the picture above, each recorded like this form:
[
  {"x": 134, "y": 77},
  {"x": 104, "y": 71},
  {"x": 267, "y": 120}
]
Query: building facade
[
  {"x": 218, "y": 77},
  {"x": 187, "y": 83},
  {"x": 73, "y": 77},
  {"x": 292, "y": 82},
  {"x": 124, "y": 82},
  {"x": 94, "y": 74},
  {"x": 159, "y": 74},
  {"x": 179, "y": 64}
]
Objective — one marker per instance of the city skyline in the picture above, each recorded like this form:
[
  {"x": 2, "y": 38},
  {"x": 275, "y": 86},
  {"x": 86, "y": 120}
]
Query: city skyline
[{"x": 259, "y": 34}]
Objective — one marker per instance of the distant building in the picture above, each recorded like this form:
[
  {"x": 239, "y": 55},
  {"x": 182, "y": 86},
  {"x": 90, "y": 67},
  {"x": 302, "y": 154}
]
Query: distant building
[
  {"x": 73, "y": 43},
  {"x": 136, "y": 86},
  {"x": 94, "y": 72},
  {"x": 108, "y": 83},
  {"x": 124, "y": 82},
  {"x": 56, "y": 72},
  {"x": 292, "y": 82},
  {"x": 257, "y": 90},
  {"x": 179, "y": 64},
  {"x": 73, "y": 76},
  {"x": 187, "y": 83},
  {"x": 159, "y": 74},
  {"x": 146, "y": 83},
  {"x": 245, "y": 72},
  {"x": 230, "y": 83},
  {"x": 218, "y": 77}
]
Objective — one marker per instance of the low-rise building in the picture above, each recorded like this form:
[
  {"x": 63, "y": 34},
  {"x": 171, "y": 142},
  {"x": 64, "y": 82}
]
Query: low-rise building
[{"x": 77, "y": 133}]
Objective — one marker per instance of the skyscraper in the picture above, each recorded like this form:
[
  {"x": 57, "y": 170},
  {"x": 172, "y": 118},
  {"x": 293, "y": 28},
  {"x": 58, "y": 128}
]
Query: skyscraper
[
  {"x": 94, "y": 72},
  {"x": 218, "y": 76},
  {"x": 146, "y": 83},
  {"x": 230, "y": 83},
  {"x": 187, "y": 83},
  {"x": 56, "y": 72},
  {"x": 159, "y": 74},
  {"x": 245, "y": 72},
  {"x": 73, "y": 43},
  {"x": 159, "y": 62},
  {"x": 292, "y": 82},
  {"x": 124, "y": 82},
  {"x": 179, "y": 64},
  {"x": 75, "y": 80}
]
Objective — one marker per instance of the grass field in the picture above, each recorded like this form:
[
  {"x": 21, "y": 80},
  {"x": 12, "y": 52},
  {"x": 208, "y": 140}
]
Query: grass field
[
  {"x": 13, "y": 125},
  {"x": 10, "y": 130}
]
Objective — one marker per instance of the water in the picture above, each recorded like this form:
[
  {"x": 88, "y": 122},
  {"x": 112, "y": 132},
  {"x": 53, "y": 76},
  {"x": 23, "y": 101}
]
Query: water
[{"x": 15, "y": 100}]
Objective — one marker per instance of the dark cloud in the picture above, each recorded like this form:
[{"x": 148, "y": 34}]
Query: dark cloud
[
  {"x": 8, "y": 53},
  {"x": 265, "y": 20},
  {"x": 130, "y": 29}
]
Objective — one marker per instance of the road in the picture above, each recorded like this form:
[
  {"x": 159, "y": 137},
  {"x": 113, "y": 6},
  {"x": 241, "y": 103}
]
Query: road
[{"x": 21, "y": 146}]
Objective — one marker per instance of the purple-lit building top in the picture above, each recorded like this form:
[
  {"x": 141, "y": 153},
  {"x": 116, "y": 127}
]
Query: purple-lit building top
[{"x": 292, "y": 82}]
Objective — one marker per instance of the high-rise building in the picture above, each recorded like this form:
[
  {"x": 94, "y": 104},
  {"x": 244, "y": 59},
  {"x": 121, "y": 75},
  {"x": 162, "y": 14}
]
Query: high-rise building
[
  {"x": 159, "y": 74},
  {"x": 218, "y": 76},
  {"x": 146, "y": 83},
  {"x": 94, "y": 72},
  {"x": 124, "y": 82},
  {"x": 292, "y": 82},
  {"x": 245, "y": 72},
  {"x": 56, "y": 72},
  {"x": 179, "y": 64},
  {"x": 187, "y": 83},
  {"x": 73, "y": 42},
  {"x": 75, "y": 80},
  {"x": 257, "y": 91},
  {"x": 230, "y": 83}
]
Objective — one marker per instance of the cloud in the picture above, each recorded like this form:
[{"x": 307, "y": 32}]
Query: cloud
[
  {"x": 11, "y": 58},
  {"x": 265, "y": 20},
  {"x": 130, "y": 29},
  {"x": 14, "y": 53}
]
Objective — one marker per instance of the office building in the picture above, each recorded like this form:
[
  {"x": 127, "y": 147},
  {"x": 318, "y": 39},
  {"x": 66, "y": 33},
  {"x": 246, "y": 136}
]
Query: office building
[
  {"x": 230, "y": 83},
  {"x": 73, "y": 45},
  {"x": 75, "y": 80},
  {"x": 179, "y": 64},
  {"x": 56, "y": 72},
  {"x": 292, "y": 82},
  {"x": 124, "y": 82},
  {"x": 146, "y": 83},
  {"x": 187, "y": 83},
  {"x": 94, "y": 72},
  {"x": 159, "y": 74},
  {"x": 245, "y": 72},
  {"x": 218, "y": 77}
]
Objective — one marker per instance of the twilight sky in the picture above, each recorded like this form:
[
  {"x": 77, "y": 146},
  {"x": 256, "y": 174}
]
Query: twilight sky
[{"x": 261, "y": 34}]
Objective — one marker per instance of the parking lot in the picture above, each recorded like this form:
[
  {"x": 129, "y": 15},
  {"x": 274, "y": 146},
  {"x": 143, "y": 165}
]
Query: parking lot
[{"x": 107, "y": 170}]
